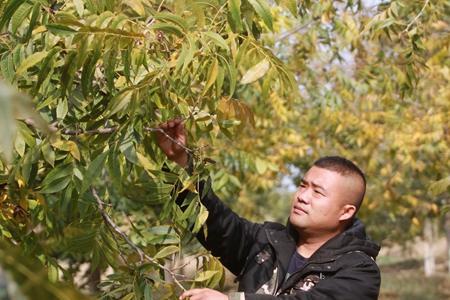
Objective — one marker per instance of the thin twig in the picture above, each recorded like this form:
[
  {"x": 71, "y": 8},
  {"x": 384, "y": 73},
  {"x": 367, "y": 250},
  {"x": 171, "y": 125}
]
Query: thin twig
[
  {"x": 135, "y": 247},
  {"x": 109, "y": 130},
  {"x": 417, "y": 17},
  {"x": 170, "y": 138},
  {"x": 106, "y": 130},
  {"x": 160, "y": 6},
  {"x": 291, "y": 32}
]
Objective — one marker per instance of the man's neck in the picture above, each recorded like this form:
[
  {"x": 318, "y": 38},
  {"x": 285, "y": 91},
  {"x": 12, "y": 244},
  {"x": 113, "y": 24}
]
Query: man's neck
[{"x": 307, "y": 245}]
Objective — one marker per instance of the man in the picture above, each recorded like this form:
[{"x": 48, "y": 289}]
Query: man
[{"x": 323, "y": 252}]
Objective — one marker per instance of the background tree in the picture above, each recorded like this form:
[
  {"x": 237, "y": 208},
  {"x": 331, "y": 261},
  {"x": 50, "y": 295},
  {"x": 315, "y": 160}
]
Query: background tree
[{"x": 83, "y": 183}]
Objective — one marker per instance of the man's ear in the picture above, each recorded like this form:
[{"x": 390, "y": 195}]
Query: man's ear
[{"x": 347, "y": 212}]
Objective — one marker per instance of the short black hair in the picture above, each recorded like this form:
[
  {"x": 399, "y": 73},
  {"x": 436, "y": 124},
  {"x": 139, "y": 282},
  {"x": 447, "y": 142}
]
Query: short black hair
[{"x": 344, "y": 167}]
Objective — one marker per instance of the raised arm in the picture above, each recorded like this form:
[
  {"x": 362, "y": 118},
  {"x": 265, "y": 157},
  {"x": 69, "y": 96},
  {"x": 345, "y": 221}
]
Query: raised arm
[{"x": 229, "y": 236}]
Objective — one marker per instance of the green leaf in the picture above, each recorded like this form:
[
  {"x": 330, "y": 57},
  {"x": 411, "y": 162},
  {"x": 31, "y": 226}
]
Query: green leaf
[
  {"x": 263, "y": 10},
  {"x": 62, "y": 109},
  {"x": 256, "y": 72},
  {"x": 292, "y": 6},
  {"x": 60, "y": 30},
  {"x": 217, "y": 39},
  {"x": 56, "y": 186},
  {"x": 19, "y": 145},
  {"x": 7, "y": 122},
  {"x": 48, "y": 153},
  {"x": 145, "y": 162},
  {"x": 161, "y": 235},
  {"x": 59, "y": 172},
  {"x": 19, "y": 16},
  {"x": 7, "y": 67},
  {"x": 93, "y": 171},
  {"x": 201, "y": 219},
  {"x": 119, "y": 102},
  {"x": 168, "y": 28},
  {"x": 234, "y": 8},
  {"x": 169, "y": 17},
  {"x": 232, "y": 75},
  {"x": 8, "y": 12},
  {"x": 46, "y": 67},
  {"x": 87, "y": 74},
  {"x": 148, "y": 292},
  {"x": 440, "y": 186},
  {"x": 166, "y": 251},
  {"x": 205, "y": 275},
  {"x": 30, "y": 61},
  {"x": 33, "y": 20}
]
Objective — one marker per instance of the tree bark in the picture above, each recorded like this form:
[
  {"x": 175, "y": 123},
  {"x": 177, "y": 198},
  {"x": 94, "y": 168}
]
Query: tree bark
[
  {"x": 429, "y": 232},
  {"x": 447, "y": 238}
]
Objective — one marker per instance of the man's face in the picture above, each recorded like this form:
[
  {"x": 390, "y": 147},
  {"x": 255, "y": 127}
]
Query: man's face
[{"x": 319, "y": 203}]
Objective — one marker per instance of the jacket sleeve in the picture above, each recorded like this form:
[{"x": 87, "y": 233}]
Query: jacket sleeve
[
  {"x": 361, "y": 282},
  {"x": 229, "y": 236}
]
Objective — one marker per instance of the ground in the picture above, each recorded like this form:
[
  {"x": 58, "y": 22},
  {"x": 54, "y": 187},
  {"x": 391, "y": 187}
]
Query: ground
[{"x": 405, "y": 280}]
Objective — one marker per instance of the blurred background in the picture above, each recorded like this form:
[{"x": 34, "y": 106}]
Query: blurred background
[{"x": 264, "y": 88}]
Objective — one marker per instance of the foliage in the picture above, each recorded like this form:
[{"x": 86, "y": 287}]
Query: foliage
[
  {"x": 86, "y": 181},
  {"x": 82, "y": 181}
]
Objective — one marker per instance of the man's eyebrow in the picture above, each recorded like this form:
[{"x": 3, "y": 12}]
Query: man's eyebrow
[
  {"x": 318, "y": 186},
  {"x": 315, "y": 185}
]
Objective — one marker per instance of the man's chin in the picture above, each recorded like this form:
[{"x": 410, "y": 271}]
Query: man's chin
[{"x": 297, "y": 223}]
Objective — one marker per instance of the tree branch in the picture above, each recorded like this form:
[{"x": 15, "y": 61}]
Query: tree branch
[
  {"x": 135, "y": 247},
  {"x": 170, "y": 138},
  {"x": 417, "y": 17},
  {"x": 108, "y": 130},
  {"x": 292, "y": 31}
]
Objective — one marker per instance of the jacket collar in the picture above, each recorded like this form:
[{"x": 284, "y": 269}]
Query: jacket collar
[{"x": 352, "y": 239}]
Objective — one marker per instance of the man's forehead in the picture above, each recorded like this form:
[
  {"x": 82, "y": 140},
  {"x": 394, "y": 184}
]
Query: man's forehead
[
  {"x": 322, "y": 176},
  {"x": 326, "y": 178}
]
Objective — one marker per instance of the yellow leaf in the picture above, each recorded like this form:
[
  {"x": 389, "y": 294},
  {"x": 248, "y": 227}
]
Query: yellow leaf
[
  {"x": 30, "y": 61},
  {"x": 166, "y": 251},
  {"x": 74, "y": 150},
  {"x": 20, "y": 183},
  {"x": 69, "y": 146},
  {"x": 212, "y": 75},
  {"x": 137, "y": 6},
  {"x": 205, "y": 275},
  {"x": 256, "y": 72},
  {"x": 231, "y": 109},
  {"x": 145, "y": 162}
]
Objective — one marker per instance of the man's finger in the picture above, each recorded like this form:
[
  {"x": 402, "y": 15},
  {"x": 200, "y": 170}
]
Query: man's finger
[
  {"x": 190, "y": 293},
  {"x": 163, "y": 126}
]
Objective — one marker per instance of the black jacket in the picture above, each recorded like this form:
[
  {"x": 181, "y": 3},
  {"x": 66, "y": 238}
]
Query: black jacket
[{"x": 259, "y": 255}]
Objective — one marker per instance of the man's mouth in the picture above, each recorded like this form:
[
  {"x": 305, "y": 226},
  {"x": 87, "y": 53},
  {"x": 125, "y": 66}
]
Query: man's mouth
[{"x": 299, "y": 211}]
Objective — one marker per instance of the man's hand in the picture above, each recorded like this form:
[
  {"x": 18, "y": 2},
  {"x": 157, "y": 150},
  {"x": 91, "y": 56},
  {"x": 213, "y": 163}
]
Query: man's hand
[
  {"x": 203, "y": 294},
  {"x": 175, "y": 152}
]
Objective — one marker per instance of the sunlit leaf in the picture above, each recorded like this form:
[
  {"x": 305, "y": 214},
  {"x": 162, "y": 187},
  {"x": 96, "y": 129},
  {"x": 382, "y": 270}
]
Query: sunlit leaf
[{"x": 256, "y": 72}]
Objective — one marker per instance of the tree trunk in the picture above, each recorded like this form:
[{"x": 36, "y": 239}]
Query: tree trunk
[
  {"x": 93, "y": 280},
  {"x": 447, "y": 238},
  {"x": 430, "y": 233}
]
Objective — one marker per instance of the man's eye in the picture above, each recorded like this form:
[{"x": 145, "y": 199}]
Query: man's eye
[{"x": 317, "y": 192}]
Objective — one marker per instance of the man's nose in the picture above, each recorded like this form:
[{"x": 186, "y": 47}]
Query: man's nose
[{"x": 302, "y": 197}]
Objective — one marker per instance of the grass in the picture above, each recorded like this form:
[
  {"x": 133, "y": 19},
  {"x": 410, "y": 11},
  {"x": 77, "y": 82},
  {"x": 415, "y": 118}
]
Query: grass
[{"x": 405, "y": 280}]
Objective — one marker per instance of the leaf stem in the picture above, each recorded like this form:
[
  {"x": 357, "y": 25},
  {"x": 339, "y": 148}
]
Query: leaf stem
[
  {"x": 135, "y": 247},
  {"x": 417, "y": 17}
]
